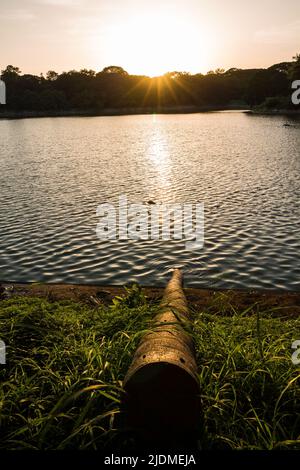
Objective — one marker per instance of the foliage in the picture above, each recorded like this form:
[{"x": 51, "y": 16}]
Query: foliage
[
  {"x": 114, "y": 88},
  {"x": 62, "y": 384}
]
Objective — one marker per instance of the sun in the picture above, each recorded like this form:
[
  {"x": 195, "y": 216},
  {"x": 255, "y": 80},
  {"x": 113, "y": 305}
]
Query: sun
[{"x": 152, "y": 42}]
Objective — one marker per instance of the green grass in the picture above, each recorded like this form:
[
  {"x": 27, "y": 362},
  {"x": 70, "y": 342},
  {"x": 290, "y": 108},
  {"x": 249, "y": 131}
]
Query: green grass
[{"x": 62, "y": 384}]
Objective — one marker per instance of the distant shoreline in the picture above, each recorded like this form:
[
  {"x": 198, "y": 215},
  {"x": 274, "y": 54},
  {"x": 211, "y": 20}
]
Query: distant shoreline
[
  {"x": 120, "y": 111},
  {"x": 144, "y": 111},
  {"x": 274, "y": 112}
]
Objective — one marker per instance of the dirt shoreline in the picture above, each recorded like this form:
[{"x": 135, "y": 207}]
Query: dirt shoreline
[{"x": 222, "y": 301}]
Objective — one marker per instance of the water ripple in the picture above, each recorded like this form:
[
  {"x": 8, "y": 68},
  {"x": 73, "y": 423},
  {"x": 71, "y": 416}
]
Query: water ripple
[{"x": 55, "y": 172}]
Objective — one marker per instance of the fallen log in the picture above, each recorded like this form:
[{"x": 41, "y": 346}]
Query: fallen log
[{"x": 162, "y": 401}]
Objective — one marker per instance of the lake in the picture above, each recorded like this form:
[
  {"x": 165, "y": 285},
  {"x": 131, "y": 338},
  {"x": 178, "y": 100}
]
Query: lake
[{"x": 54, "y": 172}]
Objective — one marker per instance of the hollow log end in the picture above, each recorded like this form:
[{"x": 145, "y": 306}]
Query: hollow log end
[{"x": 162, "y": 402}]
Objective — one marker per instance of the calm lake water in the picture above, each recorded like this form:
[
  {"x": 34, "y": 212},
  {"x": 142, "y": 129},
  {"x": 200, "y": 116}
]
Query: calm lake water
[{"x": 54, "y": 172}]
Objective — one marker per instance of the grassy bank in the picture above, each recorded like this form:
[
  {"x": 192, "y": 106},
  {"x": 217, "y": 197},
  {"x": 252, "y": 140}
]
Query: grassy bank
[{"x": 62, "y": 384}]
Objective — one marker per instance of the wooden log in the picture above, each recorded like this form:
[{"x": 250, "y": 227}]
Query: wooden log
[{"x": 162, "y": 388}]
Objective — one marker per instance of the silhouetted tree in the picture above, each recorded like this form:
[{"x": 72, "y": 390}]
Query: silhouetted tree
[
  {"x": 10, "y": 72},
  {"x": 51, "y": 75},
  {"x": 295, "y": 68},
  {"x": 115, "y": 69},
  {"x": 113, "y": 87},
  {"x": 267, "y": 83}
]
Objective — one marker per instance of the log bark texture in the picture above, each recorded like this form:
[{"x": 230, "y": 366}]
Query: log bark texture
[{"x": 162, "y": 388}]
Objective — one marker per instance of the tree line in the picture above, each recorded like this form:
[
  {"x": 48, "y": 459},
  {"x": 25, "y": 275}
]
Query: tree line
[{"x": 114, "y": 88}]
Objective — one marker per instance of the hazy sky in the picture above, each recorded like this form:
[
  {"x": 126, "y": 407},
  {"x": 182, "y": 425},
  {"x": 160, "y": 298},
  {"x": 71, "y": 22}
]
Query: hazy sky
[{"x": 147, "y": 36}]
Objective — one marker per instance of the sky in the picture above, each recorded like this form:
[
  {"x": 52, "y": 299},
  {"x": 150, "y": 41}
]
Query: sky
[{"x": 148, "y": 37}]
